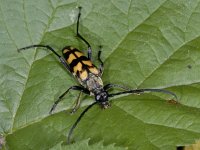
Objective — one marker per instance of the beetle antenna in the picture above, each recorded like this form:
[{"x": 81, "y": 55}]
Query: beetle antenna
[
  {"x": 138, "y": 91},
  {"x": 77, "y": 121}
]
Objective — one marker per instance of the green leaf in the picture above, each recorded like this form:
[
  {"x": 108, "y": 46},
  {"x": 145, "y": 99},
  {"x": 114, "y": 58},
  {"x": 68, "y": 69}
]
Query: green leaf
[
  {"x": 146, "y": 44},
  {"x": 85, "y": 146}
]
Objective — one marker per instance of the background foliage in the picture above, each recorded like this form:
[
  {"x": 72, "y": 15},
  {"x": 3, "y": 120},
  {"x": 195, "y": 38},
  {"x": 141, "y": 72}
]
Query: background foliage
[{"x": 146, "y": 44}]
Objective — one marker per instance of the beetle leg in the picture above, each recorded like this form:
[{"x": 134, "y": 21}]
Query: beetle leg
[
  {"x": 109, "y": 86},
  {"x": 76, "y": 104},
  {"x": 101, "y": 62},
  {"x": 62, "y": 60},
  {"x": 89, "y": 51},
  {"x": 77, "y": 88}
]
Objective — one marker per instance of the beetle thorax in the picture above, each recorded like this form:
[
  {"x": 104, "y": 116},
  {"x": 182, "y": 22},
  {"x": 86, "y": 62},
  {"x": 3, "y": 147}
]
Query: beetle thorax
[{"x": 94, "y": 83}]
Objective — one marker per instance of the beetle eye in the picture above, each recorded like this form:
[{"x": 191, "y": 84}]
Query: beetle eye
[{"x": 98, "y": 97}]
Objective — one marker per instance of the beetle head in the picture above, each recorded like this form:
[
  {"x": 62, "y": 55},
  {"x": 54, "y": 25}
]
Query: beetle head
[{"x": 102, "y": 98}]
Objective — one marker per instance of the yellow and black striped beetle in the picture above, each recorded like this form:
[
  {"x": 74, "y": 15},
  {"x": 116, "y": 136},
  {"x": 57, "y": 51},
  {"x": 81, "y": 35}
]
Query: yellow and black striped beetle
[{"x": 89, "y": 77}]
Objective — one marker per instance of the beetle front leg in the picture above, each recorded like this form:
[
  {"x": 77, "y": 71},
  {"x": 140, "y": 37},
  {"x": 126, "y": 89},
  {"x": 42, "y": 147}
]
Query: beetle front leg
[
  {"x": 77, "y": 88},
  {"x": 76, "y": 104}
]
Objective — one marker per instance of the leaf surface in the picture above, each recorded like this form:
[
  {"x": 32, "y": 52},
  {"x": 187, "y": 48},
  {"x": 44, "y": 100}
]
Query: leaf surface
[{"x": 152, "y": 44}]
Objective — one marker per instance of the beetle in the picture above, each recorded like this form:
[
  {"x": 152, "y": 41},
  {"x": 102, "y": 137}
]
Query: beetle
[{"x": 88, "y": 76}]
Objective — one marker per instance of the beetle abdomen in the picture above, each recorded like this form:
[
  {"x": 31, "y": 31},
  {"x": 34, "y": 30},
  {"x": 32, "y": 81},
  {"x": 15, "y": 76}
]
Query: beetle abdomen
[{"x": 79, "y": 64}]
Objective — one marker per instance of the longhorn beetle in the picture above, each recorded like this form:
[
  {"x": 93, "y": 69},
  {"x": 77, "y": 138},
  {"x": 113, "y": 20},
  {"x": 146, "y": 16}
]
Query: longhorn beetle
[{"x": 89, "y": 77}]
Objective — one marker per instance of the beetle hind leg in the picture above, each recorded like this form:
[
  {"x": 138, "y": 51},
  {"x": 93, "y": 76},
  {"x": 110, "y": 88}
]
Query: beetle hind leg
[
  {"x": 89, "y": 51},
  {"x": 101, "y": 67}
]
